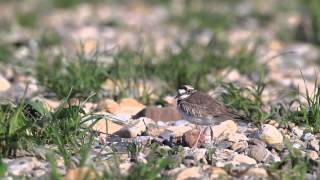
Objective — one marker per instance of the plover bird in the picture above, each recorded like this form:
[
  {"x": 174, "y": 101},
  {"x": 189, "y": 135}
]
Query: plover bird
[{"x": 201, "y": 109}]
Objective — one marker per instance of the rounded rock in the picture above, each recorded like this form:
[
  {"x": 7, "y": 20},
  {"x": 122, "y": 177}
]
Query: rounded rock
[
  {"x": 191, "y": 136},
  {"x": 257, "y": 172},
  {"x": 189, "y": 173},
  {"x": 270, "y": 134},
  {"x": 297, "y": 131},
  {"x": 313, "y": 145},
  {"x": 313, "y": 155},
  {"x": 260, "y": 154},
  {"x": 240, "y": 146},
  {"x": 4, "y": 84},
  {"x": 216, "y": 172},
  {"x": 240, "y": 158}
]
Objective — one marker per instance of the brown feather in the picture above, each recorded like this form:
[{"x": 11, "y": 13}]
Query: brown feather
[{"x": 200, "y": 105}]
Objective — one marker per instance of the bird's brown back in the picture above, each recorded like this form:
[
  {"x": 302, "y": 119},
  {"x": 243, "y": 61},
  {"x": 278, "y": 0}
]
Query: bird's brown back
[{"x": 200, "y": 104}]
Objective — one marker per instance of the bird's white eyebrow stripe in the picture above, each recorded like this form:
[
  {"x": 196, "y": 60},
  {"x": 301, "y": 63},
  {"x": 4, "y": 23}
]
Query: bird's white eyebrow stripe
[
  {"x": 182, "y": 91},
  {"x": 188, "y": 87}
]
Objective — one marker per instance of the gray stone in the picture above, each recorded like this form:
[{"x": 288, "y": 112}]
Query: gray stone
[
  {"x": 308, "y": 137},
  {"x": 24, "y": 165},
  {"x": 302, "y": 53},
  {"x": 296, "y": 145},
  {"x": 197, "y": 154},
  {"x": 189, "y": 162},
  {"x": 258, "y": 142},
  {"x": 223, "y": 144},
  {"x": 135, "y": 129},
  {"x": 181, "y": 123},
  {"x": 261, "y": 154},
  {"x": 166, "y": 135},
  {"x": 143, "y": 139},
  {"x": 38, "y": 172}
]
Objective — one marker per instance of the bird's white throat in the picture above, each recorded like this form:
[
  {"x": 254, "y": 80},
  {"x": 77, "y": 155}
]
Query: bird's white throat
[{"x": 182, "y": 91}]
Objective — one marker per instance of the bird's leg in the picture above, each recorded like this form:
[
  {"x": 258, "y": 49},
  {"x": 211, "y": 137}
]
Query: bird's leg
[
  {"x": 198, "y": 138},
  {"x": 211, "y": 133},
  {"x": 218, "y": 139},
  {"x": 214, "y": 141}
]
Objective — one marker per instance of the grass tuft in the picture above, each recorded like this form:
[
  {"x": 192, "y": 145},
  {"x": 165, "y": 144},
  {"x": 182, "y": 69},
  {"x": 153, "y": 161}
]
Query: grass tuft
[
  {"x": 311, "y": 113},
  {"x": 28, "y": 19},
  {"x": 196, "y": 64},
  {"x": 157, "y": 161},
  {"x": 191, "y": 64},
  {"x": 130, "y": 72},
  {"x": 53, "y": 167},
  {"x": 6, "y": 51},
  {"x": 66, "y": 4},
  {"x": 71, "y": 3},
  {"x": 309, "y": 29},
  {"x": 3, "y": 168},
  {"x": 83, "y": 74},
  {"x": 29, "y": 124},
  {"x": 134, "y": 149},
  {"x": 247, "y": 101},
  {"x": 197, "y": 16},
  {"x": 245, "y": 59},
  {"x": 13, "y": 134},
  {"x": 49, "y": 38}
]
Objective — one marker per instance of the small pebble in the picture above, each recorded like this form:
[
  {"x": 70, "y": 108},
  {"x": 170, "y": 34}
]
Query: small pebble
[
  {"x": 308, "y": 137},
  {"x": 313, "y": 155},
  {"x": 314, "y": 145}
]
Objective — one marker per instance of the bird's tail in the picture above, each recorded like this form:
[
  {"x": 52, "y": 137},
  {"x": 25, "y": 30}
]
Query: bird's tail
[{"x": 237, "y": 116}]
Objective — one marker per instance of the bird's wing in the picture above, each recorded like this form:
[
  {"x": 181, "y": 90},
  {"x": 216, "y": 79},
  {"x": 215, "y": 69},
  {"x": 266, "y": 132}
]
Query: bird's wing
[
  {"x": 206, "y": 105},
  {"x": 193, "y": 109},
  {"x": 203, "y": 105}
]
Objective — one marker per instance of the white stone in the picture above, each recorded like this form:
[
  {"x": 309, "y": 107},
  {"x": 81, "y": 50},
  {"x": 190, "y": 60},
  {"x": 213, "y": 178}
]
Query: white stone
[
  {"x": 181, "y": 123},
  {"x": 313, "y": 155},
  {"x": 161, "y": 123},
  {"x": 297, "y": 131},
  {"x": 314, "y": 144},
  {"x": 4, "y": 84},
  {"x": 226, "y": 128}
]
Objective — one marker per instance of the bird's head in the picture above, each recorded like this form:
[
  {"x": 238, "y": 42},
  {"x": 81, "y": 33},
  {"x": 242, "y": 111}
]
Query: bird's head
[{"x": 185, "y": 91}]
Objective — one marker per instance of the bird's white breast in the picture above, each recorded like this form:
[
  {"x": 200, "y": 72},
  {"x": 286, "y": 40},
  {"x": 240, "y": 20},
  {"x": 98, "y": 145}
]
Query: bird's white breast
[{"x": 204, "y": 121}]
